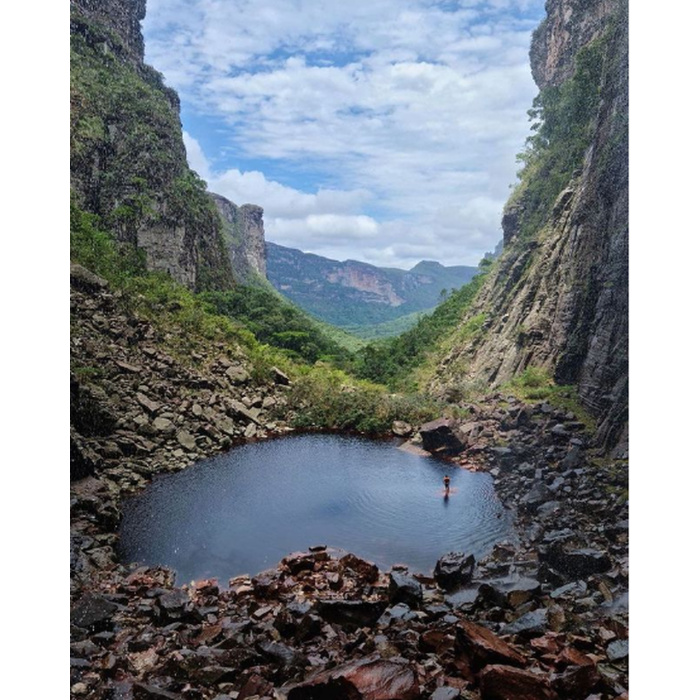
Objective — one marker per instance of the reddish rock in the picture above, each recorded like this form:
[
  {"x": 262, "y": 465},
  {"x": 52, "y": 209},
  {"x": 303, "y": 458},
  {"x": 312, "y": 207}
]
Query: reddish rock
[
  {"x": 569, "y": 656},
  {"x": 483, "y": 647},
  {"x": 365, "y": 569},
  {"x": 366, "y": 679},
  {"x": 435, "y": 641},
  {"x": 507, "y": 683},
  {"x": 576, "y": 682},
  {"x": 299, "y": 561}
]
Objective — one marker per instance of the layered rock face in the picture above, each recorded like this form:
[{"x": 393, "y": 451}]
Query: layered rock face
[
  {"x": 558, "y": 298},
  {"x": 244, "y": 233},
  {"x": 353, "y": 293},
  {"x": 128, "y": 161}
]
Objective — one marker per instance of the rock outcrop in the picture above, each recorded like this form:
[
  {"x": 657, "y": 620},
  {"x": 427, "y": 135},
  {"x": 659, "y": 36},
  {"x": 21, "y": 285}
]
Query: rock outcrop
[
  {"x": 558, "y": 297},
  {"x": 244, "y": 234},
  {"x": 128, "y": 160}
]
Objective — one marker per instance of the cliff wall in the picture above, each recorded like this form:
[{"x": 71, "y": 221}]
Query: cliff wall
[
  {"x": 244, "y": 234},
  {"x": 558, "y": 297},
  {"x": 128, "y": 161}
]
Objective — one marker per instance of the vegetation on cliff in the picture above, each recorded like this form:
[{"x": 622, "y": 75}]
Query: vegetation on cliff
[
  {"x": 128, "y": 162},
  {"x": 562, "y": 119}
]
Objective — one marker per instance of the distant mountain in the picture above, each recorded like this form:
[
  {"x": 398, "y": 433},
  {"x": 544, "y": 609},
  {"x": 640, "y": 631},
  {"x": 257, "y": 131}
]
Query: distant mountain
[{"x": 352, "y": 293}]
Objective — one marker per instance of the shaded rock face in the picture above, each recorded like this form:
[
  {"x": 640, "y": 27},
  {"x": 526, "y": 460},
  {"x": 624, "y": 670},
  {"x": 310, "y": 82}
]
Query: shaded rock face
[
  {"x": 128, "y": 159},
  {"x": 559, "y": 300},
  {"x": 244, "y": 234}
]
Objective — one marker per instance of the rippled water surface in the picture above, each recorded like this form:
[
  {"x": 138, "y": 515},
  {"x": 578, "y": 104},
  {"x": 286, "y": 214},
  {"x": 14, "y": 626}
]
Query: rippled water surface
[{"x": 243, "y": 511}]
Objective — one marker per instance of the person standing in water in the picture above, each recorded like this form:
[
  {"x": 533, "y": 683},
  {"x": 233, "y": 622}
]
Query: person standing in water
[{"x": 446, "y": 481}]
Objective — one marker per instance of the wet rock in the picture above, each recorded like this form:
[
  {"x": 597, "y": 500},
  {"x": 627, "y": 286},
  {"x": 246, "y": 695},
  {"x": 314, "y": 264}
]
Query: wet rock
[
  {"x": 404, "y": 589},
  {"x": 439, "y": 437},
  {"x": 351, "y": 613},
  {"x": 454, "y": 569},
  {"x": 482, "y": 647},
  {"x": 500, "y": 682},
  {"x": 93, "y": 612},
  {"x": 365, "y": 679}
]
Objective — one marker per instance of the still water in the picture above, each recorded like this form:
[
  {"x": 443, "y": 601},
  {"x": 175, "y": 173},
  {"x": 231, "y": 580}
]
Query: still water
[{"x": 243, "y": 511}]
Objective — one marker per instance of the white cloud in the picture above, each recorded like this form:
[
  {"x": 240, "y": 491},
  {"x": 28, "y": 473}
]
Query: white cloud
[{"x": 409, "y": 112}]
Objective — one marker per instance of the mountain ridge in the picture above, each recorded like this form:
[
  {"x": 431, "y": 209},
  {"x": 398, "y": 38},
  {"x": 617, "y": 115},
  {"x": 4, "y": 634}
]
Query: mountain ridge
[{"x": 354, "y": 293}]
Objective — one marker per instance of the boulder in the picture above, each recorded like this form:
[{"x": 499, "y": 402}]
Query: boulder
[
  {"x": 482, "y": 647},
  {"x": 279, "y": 377},
  {"x": 454, "y": 569},
  {"x": 439, "y": 437},
  {"x": 351, "y": 613},
  {"x": 299, "y": 561},
  {"x": 530, "y": 624},
  {"x": 93, "y": 612},
  {"x": 237, "y": 375},
  {"x": 186, "y": 439},
  {"x": 404, "y": 589},
  {"x": 81, "y": 278},
  {"x": 575, "y": 563},
  {"x": 370, "y": 678},
  {"x": 509, "y": 592},
  {"x": 401, "y": 428},
  {"x": 499, "y": 682},
  {"x": 366, "y": 570}
]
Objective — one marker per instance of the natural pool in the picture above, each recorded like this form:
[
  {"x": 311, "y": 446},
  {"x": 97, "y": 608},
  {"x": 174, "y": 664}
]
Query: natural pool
[{"x": 243, "y": 511}]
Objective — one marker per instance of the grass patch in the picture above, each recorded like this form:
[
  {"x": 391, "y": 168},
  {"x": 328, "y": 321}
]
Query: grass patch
[{"x": 537, "y": 384}]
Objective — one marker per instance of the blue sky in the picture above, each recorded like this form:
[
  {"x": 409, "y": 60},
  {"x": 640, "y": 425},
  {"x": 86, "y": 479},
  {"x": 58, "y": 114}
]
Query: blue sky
[{"x": 382, "y": 130}]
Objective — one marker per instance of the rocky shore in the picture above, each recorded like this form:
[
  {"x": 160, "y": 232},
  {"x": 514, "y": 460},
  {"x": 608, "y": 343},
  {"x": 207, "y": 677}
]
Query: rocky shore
[{"x": 543, "y": 618}]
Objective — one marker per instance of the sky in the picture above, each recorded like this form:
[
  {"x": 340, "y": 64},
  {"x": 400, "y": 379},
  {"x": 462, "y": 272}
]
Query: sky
[{"x": 377, "y": 130}]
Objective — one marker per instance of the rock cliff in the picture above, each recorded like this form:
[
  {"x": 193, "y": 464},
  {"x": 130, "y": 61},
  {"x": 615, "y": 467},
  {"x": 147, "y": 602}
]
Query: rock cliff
[
  {"x": 128, "y": 161},
  {"x": 244, "y": 234},
  {"x": 558, "y": 297}
]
